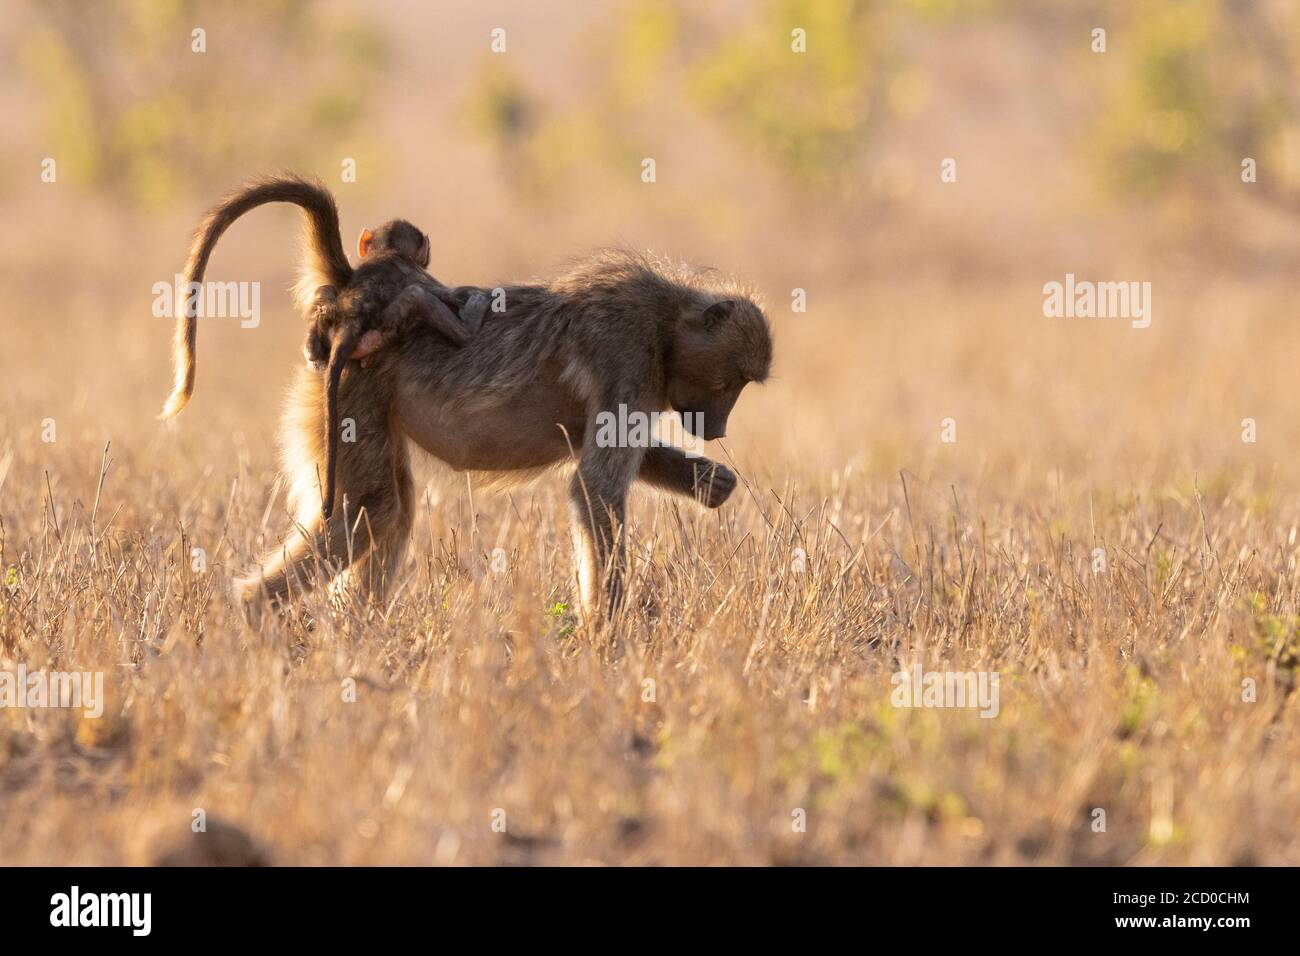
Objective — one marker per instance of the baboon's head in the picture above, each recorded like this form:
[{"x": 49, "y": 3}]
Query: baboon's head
[
  {"x": 396, "y": 236},
  {"x": 717, "y": 352}
]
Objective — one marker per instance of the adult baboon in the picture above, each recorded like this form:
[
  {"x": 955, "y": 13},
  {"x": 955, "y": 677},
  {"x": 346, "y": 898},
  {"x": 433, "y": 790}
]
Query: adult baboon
[{"x": 619, "y": 333}]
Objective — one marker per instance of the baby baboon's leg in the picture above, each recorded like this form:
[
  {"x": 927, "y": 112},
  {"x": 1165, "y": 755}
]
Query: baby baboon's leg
[
  {"x": 598, "y": 497},
  {"x": 366, "y": 537},
  {"x": 324, "y": 315},
  {"x": 672, "y": 469},
  {"x": 416, "y": 303}
]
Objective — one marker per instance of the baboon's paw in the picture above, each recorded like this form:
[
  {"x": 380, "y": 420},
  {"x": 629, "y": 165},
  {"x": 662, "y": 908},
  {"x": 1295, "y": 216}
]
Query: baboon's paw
[{"x": 715, "y": 485}]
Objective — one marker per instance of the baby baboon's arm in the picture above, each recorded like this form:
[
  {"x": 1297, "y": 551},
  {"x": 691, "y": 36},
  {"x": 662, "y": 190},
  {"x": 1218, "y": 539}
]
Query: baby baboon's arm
[
  {"x": 472, "y": 312},
  {"x": 417, "y": 303}
]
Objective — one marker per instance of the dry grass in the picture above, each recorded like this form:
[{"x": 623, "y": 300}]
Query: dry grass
[
  {"x": 1119, "y": 690},
  {"x": 478, "y": 691}
]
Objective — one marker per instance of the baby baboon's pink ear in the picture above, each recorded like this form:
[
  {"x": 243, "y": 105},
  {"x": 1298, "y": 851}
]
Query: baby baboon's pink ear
[{"x": 363, "y": 242}]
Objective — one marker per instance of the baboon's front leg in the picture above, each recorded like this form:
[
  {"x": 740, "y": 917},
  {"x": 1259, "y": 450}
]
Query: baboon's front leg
[
  {"x": 598, "y": 495},
  {"x": 673, "y": 470}
]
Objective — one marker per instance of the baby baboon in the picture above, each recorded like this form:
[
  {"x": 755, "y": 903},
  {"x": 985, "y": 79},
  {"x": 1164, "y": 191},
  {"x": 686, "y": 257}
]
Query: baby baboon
[
  {"x": 620, "y": 333},
  {"x": 388, "y": 289},
  {"x": 388, "y": 292}
]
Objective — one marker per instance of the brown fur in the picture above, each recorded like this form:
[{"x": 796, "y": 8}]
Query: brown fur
[
  {"x": 523, "y": 395},
  {"x": 366, "y": 537}
]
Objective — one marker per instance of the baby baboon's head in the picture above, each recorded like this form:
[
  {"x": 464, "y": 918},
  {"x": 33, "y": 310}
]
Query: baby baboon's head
[
  {"x": 396, "y": 236},
  {"x": 716, "y": 353}
]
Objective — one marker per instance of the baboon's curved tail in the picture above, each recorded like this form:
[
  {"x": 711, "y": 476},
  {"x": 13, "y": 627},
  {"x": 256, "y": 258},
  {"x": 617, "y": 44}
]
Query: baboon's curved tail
[{"x": 324, "y": 251}]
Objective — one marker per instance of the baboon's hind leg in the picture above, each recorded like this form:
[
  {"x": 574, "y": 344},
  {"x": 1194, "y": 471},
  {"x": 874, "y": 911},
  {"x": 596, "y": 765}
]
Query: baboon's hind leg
[
  {"x": 345, "y": 544},
  {"x": 363, "y": 543},
  {"x": 385, "y": 528}
]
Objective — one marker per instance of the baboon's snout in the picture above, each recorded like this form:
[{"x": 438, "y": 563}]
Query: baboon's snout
[{"x": 701, "y": 424}]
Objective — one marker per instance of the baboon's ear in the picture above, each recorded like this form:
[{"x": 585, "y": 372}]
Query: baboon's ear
[
  {"x": 715, "y": 314},
  {"x": 363, "y": 242}
]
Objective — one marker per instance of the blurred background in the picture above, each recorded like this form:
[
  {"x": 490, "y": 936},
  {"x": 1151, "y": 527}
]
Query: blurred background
[
  {"x": 813, "y": 176},
  {"x": 817, "y": 171}
]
